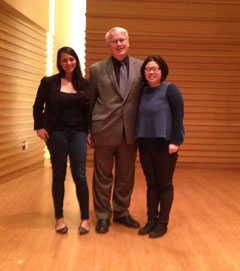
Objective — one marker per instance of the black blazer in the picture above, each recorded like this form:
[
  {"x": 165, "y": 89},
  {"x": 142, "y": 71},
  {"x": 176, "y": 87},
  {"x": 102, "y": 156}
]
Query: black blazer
[{"x": 45, "y": 108}]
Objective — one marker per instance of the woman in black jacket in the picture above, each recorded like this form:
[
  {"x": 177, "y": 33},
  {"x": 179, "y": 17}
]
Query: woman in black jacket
[{"x": 60, "y": 119}]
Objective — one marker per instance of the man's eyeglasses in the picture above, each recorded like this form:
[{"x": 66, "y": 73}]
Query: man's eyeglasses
[
  {"x": 153, "y": 69},
  {"x": 115, "y": 42}
]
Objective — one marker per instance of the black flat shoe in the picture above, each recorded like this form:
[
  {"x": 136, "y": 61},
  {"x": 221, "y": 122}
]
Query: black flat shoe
[
  {"x": 148, "y": 227},
  {"x": 102, "y": 226},
  {"x": 127, "y": 221},
  {"x": 62, "y": 230},
  {"x": 82, "y": 230}
]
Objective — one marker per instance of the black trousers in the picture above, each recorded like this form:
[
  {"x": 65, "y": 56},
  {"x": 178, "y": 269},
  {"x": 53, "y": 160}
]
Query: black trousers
[
  {"x": 61, "y": 145},
  {"x": 158, "y": 167}
]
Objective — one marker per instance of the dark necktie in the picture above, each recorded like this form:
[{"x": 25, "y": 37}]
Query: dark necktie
[{"x": 123, "y": 79}]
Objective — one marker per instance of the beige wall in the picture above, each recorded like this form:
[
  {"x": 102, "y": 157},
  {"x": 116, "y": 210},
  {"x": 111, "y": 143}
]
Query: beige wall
[
  {"x": 35, "y": 10},
  {"x": 23, "y": 30},
  {"x": 62, "y": 35},
  {"x": 200, "y": 40},
  {"x": 69, "y": 27}
]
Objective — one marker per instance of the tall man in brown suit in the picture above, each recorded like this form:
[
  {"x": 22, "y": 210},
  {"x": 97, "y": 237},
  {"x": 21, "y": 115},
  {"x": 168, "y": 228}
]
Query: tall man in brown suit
[{"x": 114, "y": 89}]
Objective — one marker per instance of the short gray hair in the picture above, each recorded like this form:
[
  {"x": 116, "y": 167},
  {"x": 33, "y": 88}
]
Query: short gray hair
[{"x": 119, "y": 29}]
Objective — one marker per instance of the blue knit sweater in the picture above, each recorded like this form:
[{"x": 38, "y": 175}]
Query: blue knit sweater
[{"x": 160, "y": 114}]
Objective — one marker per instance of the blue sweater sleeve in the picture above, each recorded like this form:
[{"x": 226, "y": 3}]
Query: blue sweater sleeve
[{"x": 177, "y": 106}]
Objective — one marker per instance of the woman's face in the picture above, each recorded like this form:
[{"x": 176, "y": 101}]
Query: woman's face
[
  {"x": 153, "y": 74},
  {"x": 67, "y": 62}
]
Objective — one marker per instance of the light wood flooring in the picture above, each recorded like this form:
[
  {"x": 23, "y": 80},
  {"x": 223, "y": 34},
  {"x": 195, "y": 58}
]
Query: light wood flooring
[{"x": 203, "y": 233}]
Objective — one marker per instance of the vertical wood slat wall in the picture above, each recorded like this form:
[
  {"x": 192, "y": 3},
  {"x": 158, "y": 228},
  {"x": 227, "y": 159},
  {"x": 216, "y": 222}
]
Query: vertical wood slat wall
[
  {"x": 201, "y": 43},
  {"x": 22, "y": 64}
]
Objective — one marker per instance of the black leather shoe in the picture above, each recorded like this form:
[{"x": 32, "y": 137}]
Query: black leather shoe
[
  {"x": 62, "y": 230},
  {"x": 102, "y": 226},
  {"x": 158, "y": 231},
  {"x": 148, "y": 227},
  {"x": 127, "y": 221}
]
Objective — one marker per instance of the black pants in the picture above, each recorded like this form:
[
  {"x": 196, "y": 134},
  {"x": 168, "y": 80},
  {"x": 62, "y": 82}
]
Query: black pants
[
  {"x": 61, "y": 145},
  {"x": 158, "y": 166}
]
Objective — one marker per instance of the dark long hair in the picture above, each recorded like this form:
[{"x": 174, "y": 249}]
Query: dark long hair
[
  {"x": 79, "y": 83},
  {"x": 161, "y": 63}
]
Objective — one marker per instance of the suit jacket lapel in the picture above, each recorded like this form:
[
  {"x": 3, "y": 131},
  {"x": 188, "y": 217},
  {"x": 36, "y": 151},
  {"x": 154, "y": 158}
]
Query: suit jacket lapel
[{"x": 111, "y": 73}]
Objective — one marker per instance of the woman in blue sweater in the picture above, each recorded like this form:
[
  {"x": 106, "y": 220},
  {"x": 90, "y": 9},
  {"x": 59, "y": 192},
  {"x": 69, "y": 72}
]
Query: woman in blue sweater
[{"x": 159, "y": 132}]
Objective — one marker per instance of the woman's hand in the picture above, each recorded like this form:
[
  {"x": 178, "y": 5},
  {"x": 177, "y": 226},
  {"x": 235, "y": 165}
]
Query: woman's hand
[
  {"x": 43, "y": 134},
  {"x": 172, "y": 148},
  {"x": 89, "y": 140}
]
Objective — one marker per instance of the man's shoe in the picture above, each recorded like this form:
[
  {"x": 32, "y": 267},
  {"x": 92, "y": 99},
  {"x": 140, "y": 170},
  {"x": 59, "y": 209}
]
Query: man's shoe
[
  {"x": 102, "y": 226},
  {"x": 127, "y": 221},
  {"x": 159, "y": 230},
  {"x": 148, "y": 227}
]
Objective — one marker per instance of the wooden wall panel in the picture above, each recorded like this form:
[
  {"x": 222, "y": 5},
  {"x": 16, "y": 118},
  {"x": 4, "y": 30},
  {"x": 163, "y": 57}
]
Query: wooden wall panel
[
  {"x": 22, "y": 65},
  {"x": 201, "y": 43},
  {"x": 34, "y": 10}
]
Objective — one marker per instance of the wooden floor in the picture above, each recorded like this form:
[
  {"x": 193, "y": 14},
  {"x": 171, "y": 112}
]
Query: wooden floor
[{"x": 203, "y": 235}]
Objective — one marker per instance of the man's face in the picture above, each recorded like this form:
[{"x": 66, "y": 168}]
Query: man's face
[{"x": 118, "y": 45}]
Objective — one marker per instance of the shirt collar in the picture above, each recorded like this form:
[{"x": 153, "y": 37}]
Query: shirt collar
[{"x": 118, "y": 63}]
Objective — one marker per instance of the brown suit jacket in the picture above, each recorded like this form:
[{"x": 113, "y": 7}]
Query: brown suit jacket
[{"x": 111, "y": 112}]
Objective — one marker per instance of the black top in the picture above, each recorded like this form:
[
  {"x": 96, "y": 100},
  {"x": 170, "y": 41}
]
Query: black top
[
  {"x": 46, "y": 106},
  {"x": 117, "y": 66},
  {"x": 70, "y": 113}
]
